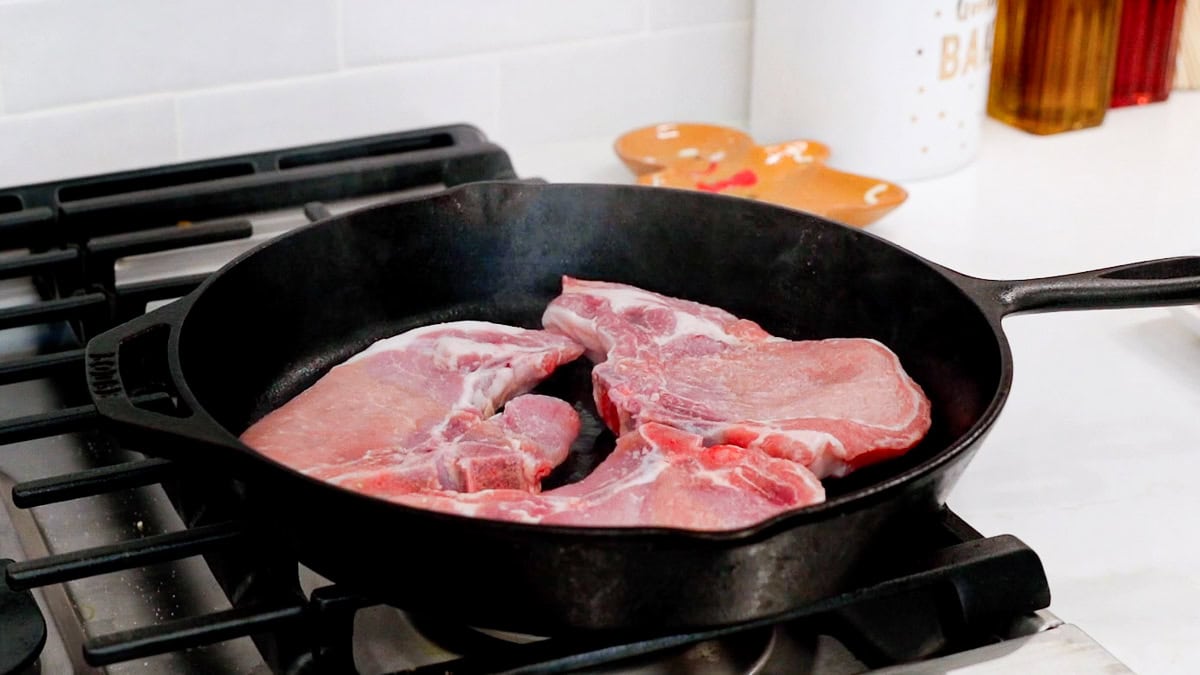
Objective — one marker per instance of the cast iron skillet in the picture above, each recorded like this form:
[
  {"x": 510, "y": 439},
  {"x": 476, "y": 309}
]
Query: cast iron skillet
[{"x": 271, "y": 322}]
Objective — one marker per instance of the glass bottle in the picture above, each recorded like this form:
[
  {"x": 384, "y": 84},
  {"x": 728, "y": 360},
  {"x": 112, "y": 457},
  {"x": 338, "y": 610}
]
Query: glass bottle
[
  {"x": 1053, "y": 62},
  {"x": 1146, "y": 51}
]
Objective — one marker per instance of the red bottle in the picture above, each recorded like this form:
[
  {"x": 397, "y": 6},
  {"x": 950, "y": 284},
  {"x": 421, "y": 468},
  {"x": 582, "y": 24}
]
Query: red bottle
[{"x": 1148, "y": 38}]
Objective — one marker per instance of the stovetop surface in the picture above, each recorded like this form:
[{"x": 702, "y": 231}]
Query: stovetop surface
[{"x": 88, "y": 608}]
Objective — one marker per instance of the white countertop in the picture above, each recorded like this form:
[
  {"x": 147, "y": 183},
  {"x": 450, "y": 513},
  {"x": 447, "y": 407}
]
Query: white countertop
[{"x": 1095, "y": 459}]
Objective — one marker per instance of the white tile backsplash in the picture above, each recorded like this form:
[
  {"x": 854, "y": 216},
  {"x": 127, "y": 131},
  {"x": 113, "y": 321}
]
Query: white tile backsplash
[
  {"x": 608, "y": 87},
  {"x": 90, "y": 86},
  {"x": 56, "y": 53},
  {"x": 672, "y": 13},
  {"x": 355, "y": 103},
  {"x": 397, "y": 30},
  {"x": 86, "y": 139}
]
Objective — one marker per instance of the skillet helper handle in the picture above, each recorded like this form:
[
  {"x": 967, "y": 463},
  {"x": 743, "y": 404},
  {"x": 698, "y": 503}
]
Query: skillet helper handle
[
  {"x": 143, "y": 343},
  {"x": 1154, "y": 283}
]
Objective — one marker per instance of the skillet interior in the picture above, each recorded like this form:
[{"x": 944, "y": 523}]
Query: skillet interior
[
  {"x": 496, "y": 252},
  {"x": 270, "y": 324}
]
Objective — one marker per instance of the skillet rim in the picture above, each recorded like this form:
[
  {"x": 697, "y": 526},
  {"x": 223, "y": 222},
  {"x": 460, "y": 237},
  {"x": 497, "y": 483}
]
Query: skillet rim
[{"x": 851, "y": 501}]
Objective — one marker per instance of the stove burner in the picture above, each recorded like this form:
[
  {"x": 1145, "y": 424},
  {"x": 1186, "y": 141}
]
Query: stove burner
[
  {"x": 743, "y": 653},
  {"x": 22, "y": 627}
]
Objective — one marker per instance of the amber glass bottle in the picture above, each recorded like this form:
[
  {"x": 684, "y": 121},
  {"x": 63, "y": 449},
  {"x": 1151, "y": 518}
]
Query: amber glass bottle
[{"x": 1052, "y": 68}]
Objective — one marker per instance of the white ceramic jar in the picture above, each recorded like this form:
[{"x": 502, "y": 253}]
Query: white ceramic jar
[{"x": 896, "y": 88}]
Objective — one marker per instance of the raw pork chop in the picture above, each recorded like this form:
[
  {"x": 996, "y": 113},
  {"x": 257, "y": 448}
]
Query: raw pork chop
[
  {"x": 656, "y": 477},
  {"x": 831, "y": 405},
  {"x": 514, "y": 449},
  {"x": 416, "y": 411}
]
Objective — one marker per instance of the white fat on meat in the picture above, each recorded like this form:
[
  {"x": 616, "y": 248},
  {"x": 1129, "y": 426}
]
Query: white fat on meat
[
  {"x": 611, "y": 319},
  {"x": 417, "y": 411},
  {"x": 831, "y": 405}
]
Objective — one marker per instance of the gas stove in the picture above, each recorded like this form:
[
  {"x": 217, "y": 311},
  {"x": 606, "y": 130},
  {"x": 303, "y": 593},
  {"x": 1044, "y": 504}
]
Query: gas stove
[{"x": 117, "y": 561}]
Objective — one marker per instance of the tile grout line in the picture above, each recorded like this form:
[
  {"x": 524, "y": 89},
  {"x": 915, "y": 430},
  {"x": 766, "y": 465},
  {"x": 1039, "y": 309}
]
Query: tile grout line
[
  {"x": 71, "y": 108},
  {"x": 498, "y": 96},
  {"x": 177, "y": 94},
  {"x": 535, "y": 47},
  {"x": 177, "y": 117}
]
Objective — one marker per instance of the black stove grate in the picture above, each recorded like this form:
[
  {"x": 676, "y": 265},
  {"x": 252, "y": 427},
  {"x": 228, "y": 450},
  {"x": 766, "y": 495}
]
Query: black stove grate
[
  {"x": 961, "y": 590},
  {"x": 67, "y": 237},
  {"x": 24, "y": 628},
  {"x": 58, "y": 214},
  {"x": 74, "y": 230},
  {"x": 953, "y": 591}
]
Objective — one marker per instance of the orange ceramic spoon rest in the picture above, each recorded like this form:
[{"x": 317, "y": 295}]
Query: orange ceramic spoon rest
[{"x": 723, "y": 160}]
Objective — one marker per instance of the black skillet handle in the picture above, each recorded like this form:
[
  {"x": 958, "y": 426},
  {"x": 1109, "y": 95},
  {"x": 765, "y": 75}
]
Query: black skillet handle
[
  {"x": 1154, "y": 283},
  {"x": 155, "y": 408}
]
